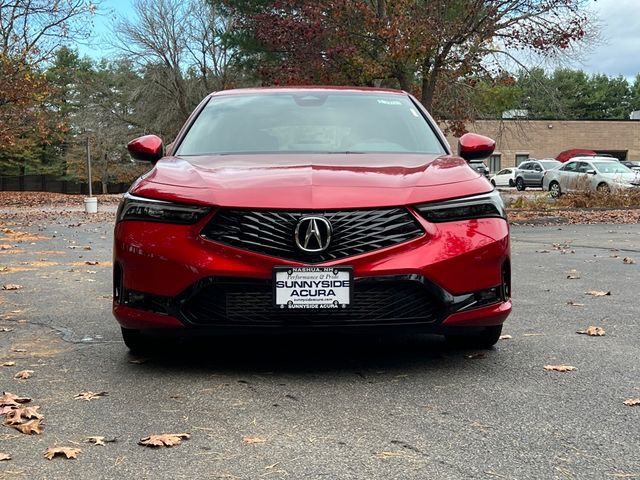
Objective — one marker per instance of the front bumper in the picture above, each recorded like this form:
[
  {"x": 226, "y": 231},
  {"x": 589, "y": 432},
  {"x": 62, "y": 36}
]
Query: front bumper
[{"x": 456, "y": 275}]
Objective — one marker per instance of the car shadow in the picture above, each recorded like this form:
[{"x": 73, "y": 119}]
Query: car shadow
[{"x": 307, "y": 354}]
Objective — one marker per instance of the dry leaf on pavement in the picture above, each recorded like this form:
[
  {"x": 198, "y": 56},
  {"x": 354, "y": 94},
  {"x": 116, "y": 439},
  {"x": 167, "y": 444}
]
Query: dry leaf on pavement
[
  {"x": 68, "y": 452},
  {"x": 23, "y": 374},
  {"x": 592, "y": 331},
  {"x": 598, "y": 293},
  {"x": 632, "y": 402},
  {"x": 91, "y": 263},
  {"x": 559, "y": 368},
  {"x": 32, "y": 426},
  {"x": 8, "y": 364},
  {"x": 575, "y": 304},
  {"x": 11, "y": 286},
  {"x": 628, "y": 260},
  {"x": 164, "y": 439},
  {"x": 573, "y": 277},
  {"x": 4, "y": 456},
  {"x": 9, "y": 398},
  {"x": 89, "y": 395},
  {"x": 253, "y": 440},
  {"x": 17, "y": 416},
  {"x": 4, "y": 246},
  {"x": 100, "y": 440},
  {"x": 505, "y": 337}
]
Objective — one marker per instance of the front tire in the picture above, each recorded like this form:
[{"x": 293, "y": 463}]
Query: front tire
[
  {"x": 554, "y": 189},
  {"x": 135, "y": 341},
  {"x": 603, "y": 188},
  {"x": 520, "y": 184},
  {"x": 511, "y": 183},
  {"x": 483, "y": 340}
]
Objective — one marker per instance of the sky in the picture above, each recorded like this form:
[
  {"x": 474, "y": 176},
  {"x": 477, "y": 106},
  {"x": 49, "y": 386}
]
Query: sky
[{"x": 616, "y": 53}]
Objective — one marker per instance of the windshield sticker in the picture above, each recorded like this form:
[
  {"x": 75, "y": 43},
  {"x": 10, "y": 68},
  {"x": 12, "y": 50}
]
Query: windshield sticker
[
  {"x": 389, "y": 102},
  {"x": 415, "y": 114}
]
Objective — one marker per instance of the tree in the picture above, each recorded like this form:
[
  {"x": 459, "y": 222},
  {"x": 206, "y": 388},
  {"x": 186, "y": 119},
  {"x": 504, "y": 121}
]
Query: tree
[{"x": 429, "y": 47}]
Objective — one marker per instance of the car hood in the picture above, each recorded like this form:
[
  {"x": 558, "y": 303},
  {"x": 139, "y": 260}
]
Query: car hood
[
  {"x": 623, "y": 177},
  {"x": 310, "y": 180}
]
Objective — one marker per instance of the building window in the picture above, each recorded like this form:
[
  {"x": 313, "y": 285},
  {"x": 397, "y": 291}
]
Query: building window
[
  {"x": 495, "y": 162},
  {"x": 521, "y": 157}
]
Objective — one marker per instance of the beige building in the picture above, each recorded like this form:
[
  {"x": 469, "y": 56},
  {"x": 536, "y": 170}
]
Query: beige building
[{"x": 519, "y": 140}]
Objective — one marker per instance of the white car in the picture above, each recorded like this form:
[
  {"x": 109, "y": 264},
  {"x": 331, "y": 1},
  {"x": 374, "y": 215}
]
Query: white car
[
  {"x": 504, "y": 178},
  {"x": 590, "y": 173}
]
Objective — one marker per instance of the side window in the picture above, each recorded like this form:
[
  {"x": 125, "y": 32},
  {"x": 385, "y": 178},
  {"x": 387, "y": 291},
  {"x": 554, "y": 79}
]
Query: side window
[
  {"x": 521, "y": 157},
  {"x": 506, "y": 171},
  {"x": 537, "y": 167},
  {"x": 570, "y": 167},
  {"x": 524, "y": 166},
  {"x": 583, "y": 167}
]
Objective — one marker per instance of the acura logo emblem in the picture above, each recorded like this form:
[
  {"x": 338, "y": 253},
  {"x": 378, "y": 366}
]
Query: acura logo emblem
[{"x": 313, "y": 234}]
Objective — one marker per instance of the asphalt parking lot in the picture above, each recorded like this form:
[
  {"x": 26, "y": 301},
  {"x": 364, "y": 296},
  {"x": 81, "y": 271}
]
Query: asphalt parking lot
[{"x": 335, "y": 408}]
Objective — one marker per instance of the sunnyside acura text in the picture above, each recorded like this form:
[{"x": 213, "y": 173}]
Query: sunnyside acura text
[{"x": 311, "y": 209}]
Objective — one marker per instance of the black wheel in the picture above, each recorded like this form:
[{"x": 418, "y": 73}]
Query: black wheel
[
  {"x": 554, "y": 189},
  {"x": 483, "y": 340},
  {"x": 493, "y": 182},
  {"x": 136, "y": 342},
  {"x": 511, "y": 183},
  {"x": 520, "y": 184},
  {"x": 603, "y": 188}
]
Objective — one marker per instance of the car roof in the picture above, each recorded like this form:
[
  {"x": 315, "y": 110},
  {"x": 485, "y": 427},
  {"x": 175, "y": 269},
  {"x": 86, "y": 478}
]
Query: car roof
[
  {"x": 301, "y": 89},
  {"x": 592, "y": 159}
]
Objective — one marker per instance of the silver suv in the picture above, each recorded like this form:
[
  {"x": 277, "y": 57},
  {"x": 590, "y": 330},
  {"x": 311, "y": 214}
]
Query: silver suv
[{"x": 530, "y": 173}]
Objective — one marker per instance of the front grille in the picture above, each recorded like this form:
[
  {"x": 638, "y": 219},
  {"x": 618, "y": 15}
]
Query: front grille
[
  {"x": 240, "y": 302},
  {"x": 272, "y": 232}
]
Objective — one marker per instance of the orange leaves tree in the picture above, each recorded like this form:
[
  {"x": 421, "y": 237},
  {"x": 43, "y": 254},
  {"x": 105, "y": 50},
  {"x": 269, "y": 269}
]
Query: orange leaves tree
[{"x": 435, "y": 49}]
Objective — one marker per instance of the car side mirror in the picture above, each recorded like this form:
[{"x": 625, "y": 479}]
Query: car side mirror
[
  {"x": 148, "y": 148},
  {"x": 472, "y": 146},
  {"x": 591, "y": 172}
]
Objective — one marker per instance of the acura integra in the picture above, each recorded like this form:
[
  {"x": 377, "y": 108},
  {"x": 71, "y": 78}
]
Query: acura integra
[{"x": 313, "y": 210}]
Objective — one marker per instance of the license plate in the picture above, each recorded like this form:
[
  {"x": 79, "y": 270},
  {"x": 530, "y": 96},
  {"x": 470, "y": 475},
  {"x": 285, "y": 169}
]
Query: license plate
[{"x": 312, "y": 287}]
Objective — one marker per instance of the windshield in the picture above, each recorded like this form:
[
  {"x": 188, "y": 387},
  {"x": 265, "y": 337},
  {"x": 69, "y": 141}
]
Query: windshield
[
  {"x": 314, "y": 122},
  {"x": 611, "y": 167},
  {"x": 549, "y": 164}
]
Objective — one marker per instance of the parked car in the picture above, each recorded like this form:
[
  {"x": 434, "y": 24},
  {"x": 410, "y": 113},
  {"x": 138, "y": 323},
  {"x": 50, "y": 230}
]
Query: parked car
[
  {"x": 633, "y": 165},
  {"x": 504, "y": 178},
  {"x": 590, "y": 173},
  {"x": 530, "y": 173},
  {"x": 480, "y": 167},
  {"x": 311, "y": 209}
]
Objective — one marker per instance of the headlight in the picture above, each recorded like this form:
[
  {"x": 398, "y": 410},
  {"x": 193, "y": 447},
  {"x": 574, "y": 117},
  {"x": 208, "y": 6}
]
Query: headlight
[
  {"x": 487, "y": 205},
  {"x": 149, "y": 210}
]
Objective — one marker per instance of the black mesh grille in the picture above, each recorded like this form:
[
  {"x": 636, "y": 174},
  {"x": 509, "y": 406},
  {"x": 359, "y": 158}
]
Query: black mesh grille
[
  {"x": 250, "y": 303},
  {"x": 272, "y": 232}
]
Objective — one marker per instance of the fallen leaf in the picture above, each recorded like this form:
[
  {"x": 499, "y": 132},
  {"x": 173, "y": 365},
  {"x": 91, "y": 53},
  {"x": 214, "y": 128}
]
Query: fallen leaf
[
  {"x": 100, "y": 440},
  {"x": 253, "y": 440},
  {"x": 598, "y": 293},
  {"x": 592, "y": 331},
  {"x": 505, "y": 337},
  {"x": 8, "y": 398},
  {"x": 628, "y": 260},
  {"x": 89, "y": 395},
  {"x": 6, "y": 329},
  {"x": 69, "y": 452},
  {"x": 4, "y": 246},
  {"x": 164, "y": 439},
  {"x": 4, "y": 456},
  {"x": 32, "y": 426},
  {"x": 19, "y": 350},
  {"x": 573, "y": 277},
  {"x": 17, "y": 416},
  {"x": 542, "y": 251},
  {"x": 23, "y": 374},
  {"x": 632, "y": 402},
  {"x": 559, "y": 368},
  {"x": 575, "y": 304},
  {"x": 11, "y": 286},
  {"x": 8, "y": 364},
  {"x": 91, "y": 263}
]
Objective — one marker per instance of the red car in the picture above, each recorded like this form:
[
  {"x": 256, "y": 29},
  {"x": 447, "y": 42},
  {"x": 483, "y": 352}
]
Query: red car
[{"x": 311, "y": 209}]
